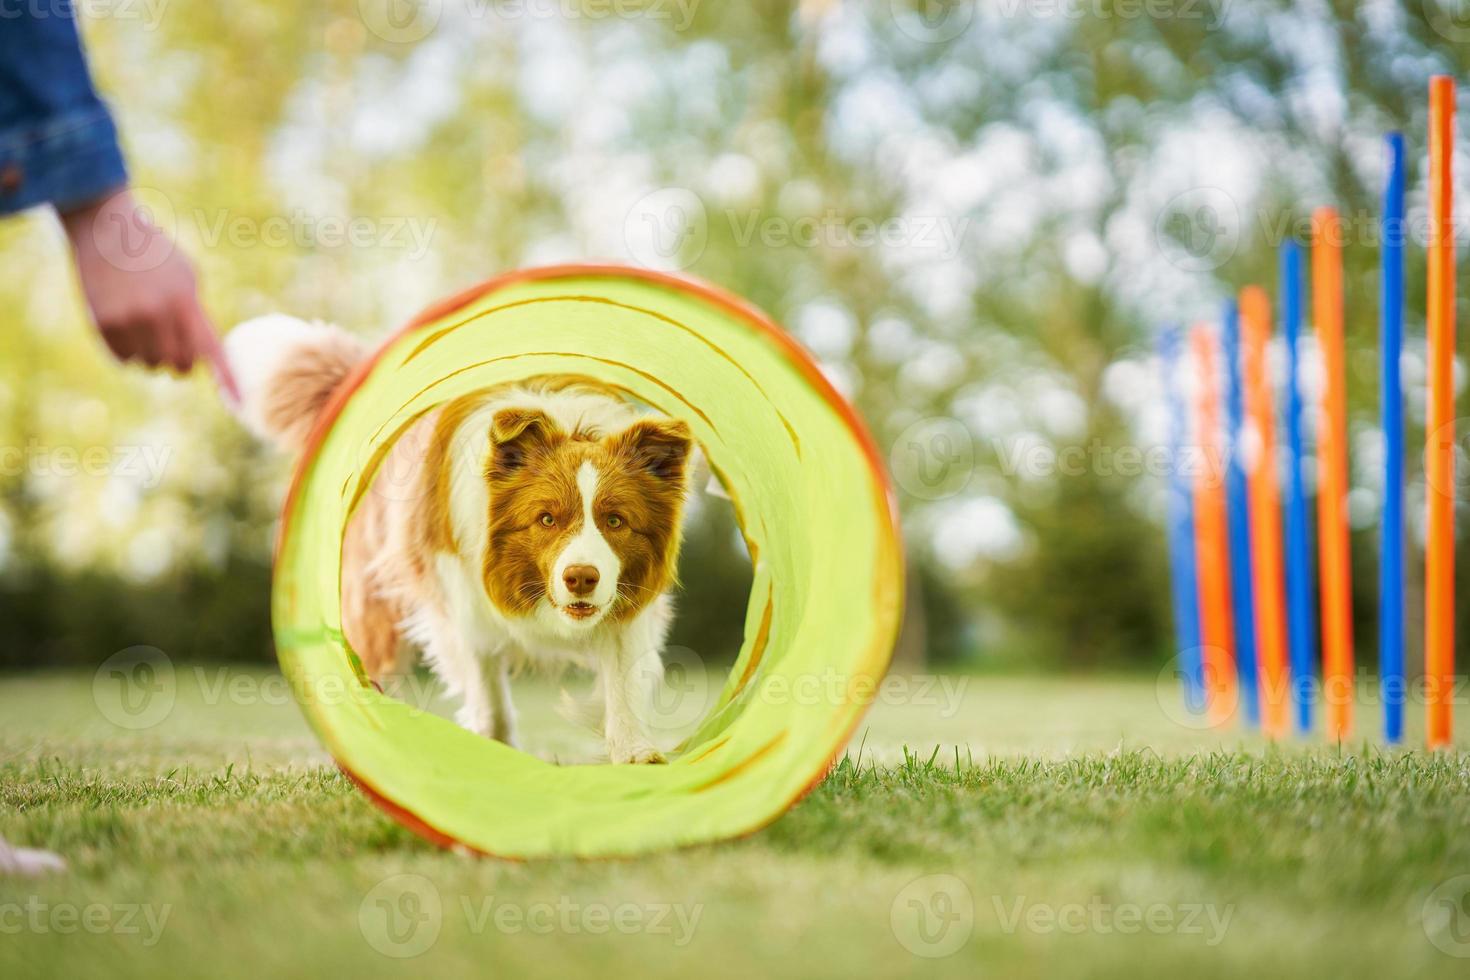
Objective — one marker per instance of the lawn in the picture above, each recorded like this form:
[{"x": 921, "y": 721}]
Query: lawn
[{"x": 998, "y": 827}]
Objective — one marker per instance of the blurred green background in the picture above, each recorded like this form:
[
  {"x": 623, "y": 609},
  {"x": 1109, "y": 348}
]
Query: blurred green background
[{"x": 976, "y": 215}]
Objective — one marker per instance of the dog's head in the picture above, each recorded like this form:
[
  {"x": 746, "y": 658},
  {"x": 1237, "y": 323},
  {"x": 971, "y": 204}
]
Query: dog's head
[{"x": 584, "y": 526}]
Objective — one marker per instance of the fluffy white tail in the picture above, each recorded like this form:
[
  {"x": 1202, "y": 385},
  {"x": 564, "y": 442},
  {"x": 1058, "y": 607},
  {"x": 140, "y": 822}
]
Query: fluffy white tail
[{"x": 287, "y": 370}]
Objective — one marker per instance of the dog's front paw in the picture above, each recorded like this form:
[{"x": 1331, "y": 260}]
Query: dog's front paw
[
  {"x": 636, "y": 753},
  {"x": 497, "y": 728}
]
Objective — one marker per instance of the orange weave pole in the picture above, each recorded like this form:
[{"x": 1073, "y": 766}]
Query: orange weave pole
[
  {"x": 1439, "y": 459},
  {"x": 1211, "y": 547},
  {"x": 1332, "y": 477},
  {"x": 1265, "y": 499}
]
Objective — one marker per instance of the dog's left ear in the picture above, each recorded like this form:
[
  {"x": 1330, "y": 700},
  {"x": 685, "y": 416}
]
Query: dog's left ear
[
  {"x": 659, "y": 446},
  {"x": 517, "y": 435}
]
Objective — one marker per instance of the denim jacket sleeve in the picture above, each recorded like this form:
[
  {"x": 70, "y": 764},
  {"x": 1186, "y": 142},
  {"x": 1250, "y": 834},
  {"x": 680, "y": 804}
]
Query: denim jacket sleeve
[{"x": 58, "y": 144}]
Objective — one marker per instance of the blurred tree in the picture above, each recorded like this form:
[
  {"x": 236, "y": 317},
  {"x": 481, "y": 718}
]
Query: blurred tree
[{"x": 968, "y": 211}]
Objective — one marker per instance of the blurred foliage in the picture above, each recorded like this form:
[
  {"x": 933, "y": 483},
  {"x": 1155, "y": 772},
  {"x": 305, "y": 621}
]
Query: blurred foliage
[{"x": 1028, "y": 158}]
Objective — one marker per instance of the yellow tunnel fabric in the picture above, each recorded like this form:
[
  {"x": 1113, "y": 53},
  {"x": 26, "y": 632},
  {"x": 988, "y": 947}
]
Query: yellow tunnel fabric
[{"x": 814, "y": 505}]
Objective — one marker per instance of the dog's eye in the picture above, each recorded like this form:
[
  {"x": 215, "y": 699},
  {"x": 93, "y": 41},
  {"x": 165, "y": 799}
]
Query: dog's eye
[
  {"x": 614, "y": 521},
  {"x": 548, "y": 521}
]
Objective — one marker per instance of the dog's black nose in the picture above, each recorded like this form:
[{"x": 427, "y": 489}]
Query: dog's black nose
[{"x": 580, "y": 579}]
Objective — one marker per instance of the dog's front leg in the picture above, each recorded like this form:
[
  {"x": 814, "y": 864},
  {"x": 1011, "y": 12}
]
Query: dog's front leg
[
  {"x": 478, "y": 678},
  {"x": 495, "y": 670},
  {"x": 487, "y": 708},
  {"x": 471, "y": 676},
  {"x": 631, "y": 674}
]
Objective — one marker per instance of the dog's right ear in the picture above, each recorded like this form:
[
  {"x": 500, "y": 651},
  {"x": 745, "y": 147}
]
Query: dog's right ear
[{"x": 517, "y": 435}]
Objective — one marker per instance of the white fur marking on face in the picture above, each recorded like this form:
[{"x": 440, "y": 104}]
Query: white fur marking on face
[{"x": 588, "y": 547}]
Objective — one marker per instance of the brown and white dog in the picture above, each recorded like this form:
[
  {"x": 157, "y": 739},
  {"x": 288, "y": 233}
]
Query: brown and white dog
[{"x": 538, "y": 523}]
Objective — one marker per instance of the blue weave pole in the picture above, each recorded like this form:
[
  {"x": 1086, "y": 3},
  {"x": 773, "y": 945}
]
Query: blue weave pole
[
  {"x": 1237, "y": 509},
  {"x": 1391, "y": 550},
  {"x": 1183, "y": 575},
  {"x": 1301, "y": 615}
]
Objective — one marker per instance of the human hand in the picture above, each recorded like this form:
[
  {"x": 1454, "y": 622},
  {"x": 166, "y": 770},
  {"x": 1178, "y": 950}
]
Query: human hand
[{"x": 141, "y": 289}]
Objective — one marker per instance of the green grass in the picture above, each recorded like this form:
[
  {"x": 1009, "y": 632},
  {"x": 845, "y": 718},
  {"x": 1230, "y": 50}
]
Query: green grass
[{"x": 1064, "y": 817}]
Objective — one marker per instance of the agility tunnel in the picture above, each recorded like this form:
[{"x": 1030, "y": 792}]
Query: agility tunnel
[{"x": 813, "y": 503}]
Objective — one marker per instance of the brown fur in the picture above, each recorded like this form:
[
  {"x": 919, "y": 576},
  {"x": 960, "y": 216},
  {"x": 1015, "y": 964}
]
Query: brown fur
[
  {"x": 535, "y": 523},
  {"x": 405, "y": 518},
  {"x": 533, "y": 474},
  {"x": 299, "y": 393}
]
